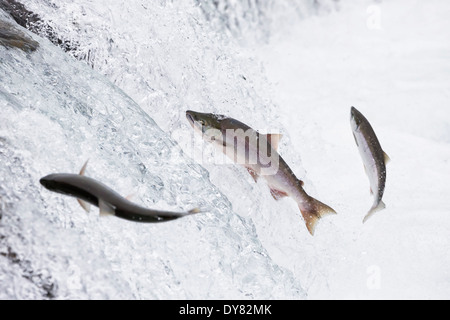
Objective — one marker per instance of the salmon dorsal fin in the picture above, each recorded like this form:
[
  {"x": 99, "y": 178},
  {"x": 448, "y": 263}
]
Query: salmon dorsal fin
[
  {"x": 130, "y": 196},
  {"x": 386, "y": 158},
  {"x": 274, "y": 140},
  {"x": 83, "y": 169}
]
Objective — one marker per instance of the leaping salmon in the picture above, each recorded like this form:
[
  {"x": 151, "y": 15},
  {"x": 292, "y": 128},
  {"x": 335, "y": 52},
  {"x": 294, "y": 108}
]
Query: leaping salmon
[
  {"x": 258, "y": 154},
  {"x": 89, "y": 191},
  {"x": 373, "y": 156}
]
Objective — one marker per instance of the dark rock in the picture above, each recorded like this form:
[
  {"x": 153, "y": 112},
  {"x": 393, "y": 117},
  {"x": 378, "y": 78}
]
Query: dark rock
[{"x": 12, "y": 37}]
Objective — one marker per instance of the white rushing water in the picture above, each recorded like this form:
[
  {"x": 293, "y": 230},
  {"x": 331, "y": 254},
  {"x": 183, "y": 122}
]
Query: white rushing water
[
  {"x": 294, "y": 67},
  {"x": 56, "y": 113},
  {"x": 391, "y": 60}
]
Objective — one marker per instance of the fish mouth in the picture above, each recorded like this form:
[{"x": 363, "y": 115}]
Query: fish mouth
[
  {"x": 352, "y": 113},
  {"x": 44, "y": 182},
  {"x": 47, "y": 182},
  {"x": 355, "y": 118},
  {"x": 190, "y": 118},
  {"x": 195, "y": 120}
]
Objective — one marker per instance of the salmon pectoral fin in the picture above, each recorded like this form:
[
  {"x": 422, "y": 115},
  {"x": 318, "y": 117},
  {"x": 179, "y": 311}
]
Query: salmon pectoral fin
[
  {"x": 86, "y": 206},
  {"x": 106, "y": 209},
  {"x": 254, "y": 175},
  {"x": 313, "y": 211},
  {"x": 374, "y": 209},
  {"x": 277, "y": 194}
]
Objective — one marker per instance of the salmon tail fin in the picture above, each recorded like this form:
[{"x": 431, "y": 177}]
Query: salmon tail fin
[
  {"x": 194, "y": 211},
  {"x": 313, "y": 211},
  {"x": 374, "y": 209}
]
